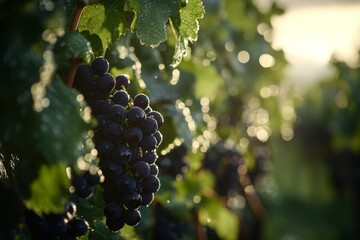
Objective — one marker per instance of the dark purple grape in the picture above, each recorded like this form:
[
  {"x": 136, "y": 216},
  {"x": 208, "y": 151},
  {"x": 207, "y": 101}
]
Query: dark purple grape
[
  {"x": 121, "y": 97},
  {"x": 132, "y": 200},
  {"x": 57, "y": 225},
  {"x": 83, "y": 77},
  {"x": 104, "y": 148},
  {"x": 121, "y": 154},
  {"x": 154, "y": 169},
  {"x": 132, "y": 217},
  {"x": 115, "y": 225},
  {"x": 79, "y": 183},
  {"x": 132, "y": 135},
  {"x": 104, "y": 85},
  {"x": 113, "y": 211},
  {"x": 117, "y": 113},
  {"x": 125, "y": 183},
  {"x": 110, "y": 130},
  {"x": 99, "y": 66},
  {"x": 136, "y": 116},
  {"x": 136, "y": 154},
  {"x": 158, "y": 117},
  {"x": 150, "y": 157},
  {"x": 148, "y": 142},
  {"x": 147, "y": 198},
  {"x": 86, "y": 192},
  {"x": 91, "y": 178},
  {"x": 159, "y": 137},
  {"x": 150, "y": 184},
  {"x": 142, "y": 101},
  {"x": 122, "y": 81},
  {"x": 149, "y": 126},
  {"x": 77, "y": 227},
  {"x": 111, "y": 170},
  {"x": 104, "y": 106},
  {"x": 140, "y": 169}
]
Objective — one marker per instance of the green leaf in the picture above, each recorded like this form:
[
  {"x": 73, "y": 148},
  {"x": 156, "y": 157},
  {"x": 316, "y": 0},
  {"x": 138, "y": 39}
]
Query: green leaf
[
  {"x": 187, "y": 28},
  {"x": 208, "y": 82},
  {"x": 50, "y": 190},
  {"x": 151, "y": 18},
  {"x": 105, "y": 19},
  {"x": 61, "y": 129},
  {"x": 218, "y": 217}
]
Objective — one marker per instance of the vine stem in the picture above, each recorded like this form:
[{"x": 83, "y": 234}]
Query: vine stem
[{"x": 73, "y": 27}]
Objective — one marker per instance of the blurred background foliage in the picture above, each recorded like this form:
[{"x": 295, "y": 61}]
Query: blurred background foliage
[{"x": 247, "y": 154}]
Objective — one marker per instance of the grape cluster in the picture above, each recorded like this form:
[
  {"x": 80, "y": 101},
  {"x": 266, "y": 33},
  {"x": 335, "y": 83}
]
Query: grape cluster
[
  {"x": 223, "y": 162},
  {"x": 65, "y": 226},
  {"x": 175, "y": 162},
  {"x": 126, "y": 139}
]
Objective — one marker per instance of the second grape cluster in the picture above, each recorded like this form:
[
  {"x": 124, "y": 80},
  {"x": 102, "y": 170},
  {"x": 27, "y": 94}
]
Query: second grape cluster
[{"x": 126, "y": 138}]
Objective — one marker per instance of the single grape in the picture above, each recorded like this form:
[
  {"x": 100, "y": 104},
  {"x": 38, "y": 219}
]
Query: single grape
[
  {"x": 79, "y": 183},
  {"x": 121, "y": 97},
  {"x": 125, "y": 183},
  {"x": 136, "y": 154},
  {"x": 136, "y": 116},
  {"x": 113, "y": 211},
  {"x": 148, "y": 142},
  {"x": 104, "y": 85},
  {"x": 132, "y": 200},
  {"x": 157, "y": 116},
  {"x": 117, "y": 113},
  {"x": 99, "y": 66},
  {"x": 140, "y": 169},
  {"x": 149, "y": 126},
  {"x": 111, "y": 170},
  {"x": 115, "y": 225},
  {"x": 83, "y": 77},
  {"x": 147, "y": 198},
  {"x": 91, "y": 178},
  {"x": 77, "y": 227},
  {"x": 132, "y": 135},
  {"x": 141, "y": 100},
  {"x": 132, "y": 217},
  {"x": 154, "y": 169},
  {"x": 150, "y": 157},
  {"x": 121, "y": 154},
  {"x": 151, "y": 184},
  {"x": 122, "y": 81},
  {"x": 57, "y": 225},
  {"x": 103, "y": 107},
  {"x": 159, "y": 137}
]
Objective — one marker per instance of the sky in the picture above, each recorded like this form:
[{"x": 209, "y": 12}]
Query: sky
[{"x": 311, "y": 31}]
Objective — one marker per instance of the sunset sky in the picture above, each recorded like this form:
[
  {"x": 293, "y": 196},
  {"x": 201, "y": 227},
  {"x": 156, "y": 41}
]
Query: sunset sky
[{"x": 311, "y": 31}]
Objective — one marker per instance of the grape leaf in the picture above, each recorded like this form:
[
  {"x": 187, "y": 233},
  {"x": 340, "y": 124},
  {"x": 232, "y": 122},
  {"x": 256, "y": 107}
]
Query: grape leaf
[
  {"x": 218, "y": 217},
  {"x": 53, "y": 182},
  {"x": 151, "y": 18},
  {"x": 105, "y": 19},
  {"x": 61, "y": 130},
  {"x": 187, "y": 27}
]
